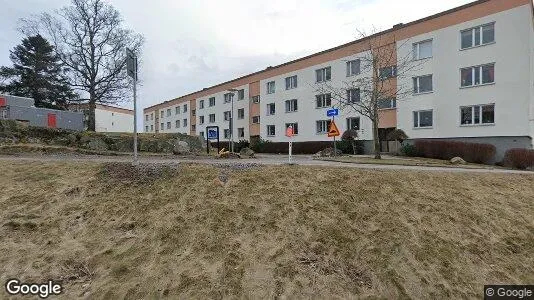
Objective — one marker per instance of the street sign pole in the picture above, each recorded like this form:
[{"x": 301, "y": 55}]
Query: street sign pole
[
  {"x": 131, "y": 66},
  {"x": 333, "y": 131},
  {"x": 290, "y": 151},
  {"x": 335, "y": 149},
  {"x": 289, "y": 134}
]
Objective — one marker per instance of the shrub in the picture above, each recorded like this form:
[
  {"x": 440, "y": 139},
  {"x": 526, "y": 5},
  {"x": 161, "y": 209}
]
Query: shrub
[
  {"x": 350, "y": 147},
  {"x": 408, "y": 150},
  {"x": 519, "y": 158},
  {"x": 397, "y": 135},
  {"x": 470, "y": 152},
  {"x": 259, "y": 145},
  {"x": 240, "y": 145}
]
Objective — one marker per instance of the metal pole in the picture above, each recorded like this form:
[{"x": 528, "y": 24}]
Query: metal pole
[
  {"x": 232, "y": 125},
  {"x": 290, "y": 150},
  {"x": 135, "y": 114}
]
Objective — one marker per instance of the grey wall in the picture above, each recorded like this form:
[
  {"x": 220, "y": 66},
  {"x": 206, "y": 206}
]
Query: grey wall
[
  {"x": 39, "y": 117},
  {"x": 18, "y": 101}
]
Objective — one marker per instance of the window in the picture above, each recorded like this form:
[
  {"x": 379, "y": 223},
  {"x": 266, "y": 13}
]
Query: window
[
  {"x": 241, "y": 94},
  {"x": 168, "y": 125},
  {"x": 162, "y": 126},
  {"x": 228, "y": 97},
  {"x": 227, "y": 133},
  {"x": 322, "y": 101},
  {"x": 212, "y": 118},
  {"x": 256, "y": 120},
  {"x": 185, "y": 122},
  {"x": 177, "y": 110},
  {"x": 353, "y": 123},
  {"x": 478, "y": 36},
  {"x": 270, "y": 87},
  {"x": 241, "y": 132},
  {"x": 295, "y": 127},
  {"x": 185, "y": 108},
  {"x": 322, "y": 126},
  {"x": 193, "y": 112},
  {"x": 151, "y": 127},
  {"x": 146, "y": 127},
  {"x": 291, "y": 105},
  {"x": 478, "y": 75},
  {"x": 324, "y": 74},
  {"x": 241, "y": 114},
  {"x": 227, "y": 115},
  {"x": 422, "y": 119},
  {"x": 201, "y": 104},
  {"x": 477, "y": 114},
  {"x": 271, "y": 130},
  {"x": 291, "y": 82},
  {"x": 387, "y": 103},
  {"x": 177, "y": 124},
  {"x": 161, "y": 114},
  {"x": 212, "y": 101},
  {"x": 353, "y": 95},
  {"x": 201, "y": 120},
  {"x": 388, "y": 72},
  {"x": 353, "y": 67},
  {"x": 193, "y": 127},
  {"x": 422, "y": 50},
  {"x": 152, "y": 116},
  {"x": 146, "y": 117},
  {"x": 422, "y": 84},
  {"x": 256, "y": 99},
  {"x": 271, "y": 109}
]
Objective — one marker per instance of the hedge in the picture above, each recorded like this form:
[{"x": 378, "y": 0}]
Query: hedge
[
  {"x": 470, "y": 152},
  {"x": 519, "y": 158}
]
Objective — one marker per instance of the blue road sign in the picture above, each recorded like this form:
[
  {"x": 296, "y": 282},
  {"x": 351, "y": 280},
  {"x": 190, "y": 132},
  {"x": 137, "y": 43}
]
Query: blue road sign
[
  {"x": 332, "y": 112},
  {"x": 212, "y": 134}
]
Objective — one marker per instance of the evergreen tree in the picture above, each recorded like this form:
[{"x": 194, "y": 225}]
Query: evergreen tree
[{"x": 37, "y": 73}]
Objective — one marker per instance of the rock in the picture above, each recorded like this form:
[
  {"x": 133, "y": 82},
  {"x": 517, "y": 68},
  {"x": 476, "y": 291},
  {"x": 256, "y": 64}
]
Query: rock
[
  {"x": 181, "y": 148},
  {"x": 329, "y": 152},
  {"x": 457, "y": 161},
  {"x": 246, "y": 152},
  {"x": 96, "y": 144}
]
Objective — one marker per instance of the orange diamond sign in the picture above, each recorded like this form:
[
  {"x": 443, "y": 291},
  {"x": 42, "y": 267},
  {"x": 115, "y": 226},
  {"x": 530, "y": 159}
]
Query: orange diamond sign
[
  {"x": 289, "y": 131},
  {"x": 332, "y": 130}
]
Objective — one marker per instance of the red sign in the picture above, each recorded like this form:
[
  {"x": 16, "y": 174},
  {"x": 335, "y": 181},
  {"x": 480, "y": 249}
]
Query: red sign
[
  {"x": 332, "y": 130},
  {"x": 289, "y": 131},
  {"x": 2, "y": 102},
  {"x": 52, "y": 122}
]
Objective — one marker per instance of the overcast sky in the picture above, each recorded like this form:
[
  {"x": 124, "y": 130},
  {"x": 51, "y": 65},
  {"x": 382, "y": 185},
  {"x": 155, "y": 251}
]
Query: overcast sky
[{"x": 192, "y": 44}]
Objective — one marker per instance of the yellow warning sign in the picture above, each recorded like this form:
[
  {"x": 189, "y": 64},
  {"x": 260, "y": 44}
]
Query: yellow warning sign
[{"x": 332, "y": 130}]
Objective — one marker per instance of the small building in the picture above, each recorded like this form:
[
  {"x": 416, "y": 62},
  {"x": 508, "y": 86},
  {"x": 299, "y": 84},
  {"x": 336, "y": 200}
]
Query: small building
[
  {"x": 23, "y": 110},
  {"x": 107, "y": 118}
]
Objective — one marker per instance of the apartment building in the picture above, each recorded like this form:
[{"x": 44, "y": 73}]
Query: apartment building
[
  {"x": 107, "y": 118},
  {"x": 474, "y": 82}
]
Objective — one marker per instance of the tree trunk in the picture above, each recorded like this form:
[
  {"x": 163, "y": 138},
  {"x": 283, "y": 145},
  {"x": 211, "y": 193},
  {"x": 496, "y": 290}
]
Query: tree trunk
[
  {"x": 91, "y": 124},
  {"x": 376, "y": 139}
]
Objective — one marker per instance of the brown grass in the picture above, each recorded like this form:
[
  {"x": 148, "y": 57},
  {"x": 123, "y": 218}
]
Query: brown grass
[
  {"x": 405, "y": 161},
  {"x": 269, "y": 232}
]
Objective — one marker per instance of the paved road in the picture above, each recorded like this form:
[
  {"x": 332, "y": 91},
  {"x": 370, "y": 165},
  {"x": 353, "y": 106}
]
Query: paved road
[{"x": 262, "y": 159}]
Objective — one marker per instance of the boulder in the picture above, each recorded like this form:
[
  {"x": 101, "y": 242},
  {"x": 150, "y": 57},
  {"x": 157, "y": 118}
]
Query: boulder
[
  {"x": 457, "y": 161},
  {"x": 329, "y": 152},
  {"x": 181, "y": 148},
  {"x": 246, "y": 152}
]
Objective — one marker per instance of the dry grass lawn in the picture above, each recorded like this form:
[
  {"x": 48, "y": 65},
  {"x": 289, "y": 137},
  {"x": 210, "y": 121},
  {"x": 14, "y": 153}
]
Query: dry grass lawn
[{"x": 108, "y": 232}]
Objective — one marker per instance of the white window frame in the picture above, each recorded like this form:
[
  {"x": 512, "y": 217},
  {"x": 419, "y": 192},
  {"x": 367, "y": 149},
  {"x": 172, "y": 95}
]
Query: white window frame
[
  {"x": 240, "y": 94},
  {"x": 417, "y": 49},
  {"x": 324, "y": 101},
  {"x": 417, "y": 83},
  {"x": 255, "y": 119},
  {"x": 185, "y": 108},
  {"x": 268, "y": 131},
  {"x": 201, "y": 104},
  {"x": 321, "y": 126},
  {"x": 146, "y": 117},
  {"x": 271, "y": 87},
  {"x": 211, "y": 101},
  {"x": 177, "y": 124},
  {"x": 210, "y": 119},
  {"x": 350, "y": 120},
  {"x": 323, "y": 72},
  {"x": 184, "y": 123},
  {"x": 349, "y": 95},
  {"x": 228, "y": 97},
  {"x": 392, "y": 102},
  {"x": 227, "y": 133},
  {"x": 242, "y": 116},
  {"x": 419, "y": 119},
  {"x": 177, "y": 110},
  {"x": 473, "y": 30},
  {"x": 473, "y": 76},
  {"x": 241, "y": 132},
  {"x": 168, "y": 125},
  {"x": 162, "y": 126},
  {"x": 474, "y": 108},
  {"x": 291, "y": 82},
  {"x": 227, "y": 115},
  {"x": 349, "y": 67},
  {"x": 255, "y": 99},
  {"x": 293, "y": 105},
  {"x": 269, "y": 109},
  {"x": 169, "y": 112},
  {"x": 201, "y": 120}
]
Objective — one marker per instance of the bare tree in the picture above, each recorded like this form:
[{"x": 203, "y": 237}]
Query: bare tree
[
  {"x": 377, "y": 75},
  {"x": 91, "y": 41}
]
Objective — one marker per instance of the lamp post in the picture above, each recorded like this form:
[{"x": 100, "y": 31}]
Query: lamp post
[{"x": 232, "y": 91}]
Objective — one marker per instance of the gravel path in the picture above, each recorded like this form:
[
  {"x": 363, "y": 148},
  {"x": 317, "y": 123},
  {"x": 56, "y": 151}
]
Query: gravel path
[{"x": 263, "y": 159}]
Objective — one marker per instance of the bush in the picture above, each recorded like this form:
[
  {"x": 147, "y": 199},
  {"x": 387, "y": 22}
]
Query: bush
[
  {"x": 408, "y": 150},
  {"x": 240, "y": 145},
  {"x": 470, "y": 152},
  {"x": 350, "y": 147},
  {"x": 519, "y": 158},
  {"x": 259, "y": 145}
]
